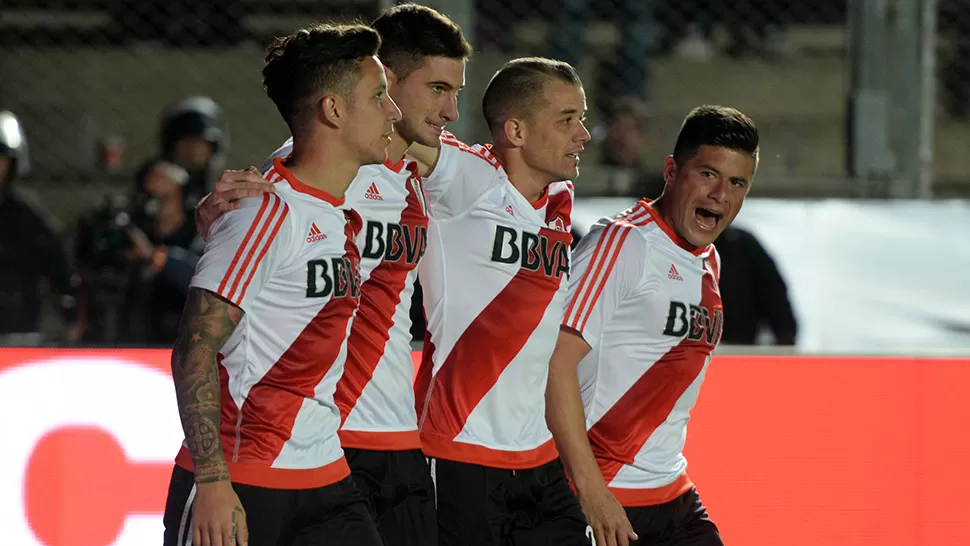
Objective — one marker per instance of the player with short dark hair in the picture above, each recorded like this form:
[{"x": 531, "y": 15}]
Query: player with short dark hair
[
  {"x": 263, "y": 337},
  {"x": 516, "y": 90},
  {"x": 412, "y": 35},
  {"x": 494, "y": 281},
  {"x": 424, "y": 54},
  {"x": 643, "y": 318}
]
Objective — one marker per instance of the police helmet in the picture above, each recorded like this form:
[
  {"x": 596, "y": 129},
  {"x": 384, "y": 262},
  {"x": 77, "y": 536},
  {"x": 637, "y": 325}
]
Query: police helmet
[
  {"x": 13, "y": 144},
  {"x": 194, "y": 117}
]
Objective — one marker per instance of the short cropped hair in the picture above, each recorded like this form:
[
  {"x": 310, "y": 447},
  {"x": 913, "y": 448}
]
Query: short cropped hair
[
  {"x": 716, "y": 126},
  {"x": 516, "y": 89},
  {"x": 410, "y": 33},
  {"x": 301, "y": 67}
]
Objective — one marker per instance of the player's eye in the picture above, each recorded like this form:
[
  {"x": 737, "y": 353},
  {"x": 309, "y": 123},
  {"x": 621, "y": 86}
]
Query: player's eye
[{"x": 437, "y": 89}]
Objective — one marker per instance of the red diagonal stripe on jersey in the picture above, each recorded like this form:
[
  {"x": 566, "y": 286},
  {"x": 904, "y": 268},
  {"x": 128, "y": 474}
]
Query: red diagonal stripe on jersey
[
  {"x": 271, "y": 407},
  {"x": 560, "y": 206},
  {"x": 620, "y": 433},
  {"x": 245, "y": 244},
  {"x": 379, "y": 298},
  {"x": 488, "y": 345}
]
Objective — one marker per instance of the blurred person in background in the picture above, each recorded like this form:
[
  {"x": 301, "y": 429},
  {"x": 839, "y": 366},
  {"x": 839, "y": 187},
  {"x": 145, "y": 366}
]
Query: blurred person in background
[
  {"x": 31, "y": 252},
  {"x": 194, "y": 136},
  {"x": 623, "y": 150},
  {"x": 753, "y": 292},
  {"x": 138, "y": 254},
  {"x": 625, "y": 73}
]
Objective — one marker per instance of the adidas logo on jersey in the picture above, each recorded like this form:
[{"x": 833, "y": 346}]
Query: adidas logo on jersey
[
  {"x": 372, "y": 193},
  {"x": 315, "y": 234},
  {"x": 673, "y": 274}
]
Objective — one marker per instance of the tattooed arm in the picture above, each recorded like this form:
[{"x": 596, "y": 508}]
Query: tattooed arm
[{"x": 207, "y": 322}]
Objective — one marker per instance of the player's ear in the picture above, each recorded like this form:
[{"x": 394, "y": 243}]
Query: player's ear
[
  {"x": 515, "y": 132},
  {"x": 670, "y": 170},
  {"x": 331, "y": 110}
]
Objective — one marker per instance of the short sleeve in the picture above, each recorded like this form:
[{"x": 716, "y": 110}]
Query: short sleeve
[
  {"x": 606, "y": 270},
  {"x": 244, "y": 249},
  {"x": 460, "y": 177}
]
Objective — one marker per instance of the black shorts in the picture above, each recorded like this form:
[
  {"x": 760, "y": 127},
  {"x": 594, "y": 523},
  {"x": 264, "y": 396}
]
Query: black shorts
[
  {"x": 682, "y": 521},
  {"x": 483, "y": 506},
  {"x": 334, "y": 515},
  {"x": 400, "y": 490}
]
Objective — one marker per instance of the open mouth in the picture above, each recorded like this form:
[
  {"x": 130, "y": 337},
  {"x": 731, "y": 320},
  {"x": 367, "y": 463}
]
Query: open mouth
[
  {"x": 706, "y": 218},
  {"x": 574, "y": 156}
]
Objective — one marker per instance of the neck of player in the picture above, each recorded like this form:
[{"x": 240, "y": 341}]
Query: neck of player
[
  {"x": 323, "y": 166},
  {"x": 527, "y": 180},
  {"x": 397, "y": 148}
]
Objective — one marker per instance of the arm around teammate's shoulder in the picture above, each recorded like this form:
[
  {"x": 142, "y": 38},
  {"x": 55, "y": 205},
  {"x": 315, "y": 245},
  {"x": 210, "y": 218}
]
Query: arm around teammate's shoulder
[{"x": 459, "y": 175}]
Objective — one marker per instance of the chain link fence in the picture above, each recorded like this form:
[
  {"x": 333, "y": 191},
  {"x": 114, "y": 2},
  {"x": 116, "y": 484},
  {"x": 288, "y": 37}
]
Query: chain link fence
[{"x": 89, "y": 79}]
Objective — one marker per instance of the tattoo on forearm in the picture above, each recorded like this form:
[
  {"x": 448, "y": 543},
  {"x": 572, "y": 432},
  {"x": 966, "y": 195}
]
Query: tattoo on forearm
[{"x": 207, "y": 323}]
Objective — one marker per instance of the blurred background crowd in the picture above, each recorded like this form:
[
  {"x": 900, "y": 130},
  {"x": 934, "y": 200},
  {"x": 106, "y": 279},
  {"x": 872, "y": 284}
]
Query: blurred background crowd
[{"x": 119, "y": 116}]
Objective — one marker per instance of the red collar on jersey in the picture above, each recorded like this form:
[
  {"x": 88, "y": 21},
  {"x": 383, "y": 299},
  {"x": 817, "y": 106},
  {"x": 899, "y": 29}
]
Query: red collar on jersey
[
  {"x": 542, "y": 200},
  {"x": 396, "y": 167},
  {"x": 677, "y": 239},
  {"x": 279, "y": 165}
]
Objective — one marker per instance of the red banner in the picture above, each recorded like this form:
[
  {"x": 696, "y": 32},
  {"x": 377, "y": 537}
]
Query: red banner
[{"x": 785, "y": 450}]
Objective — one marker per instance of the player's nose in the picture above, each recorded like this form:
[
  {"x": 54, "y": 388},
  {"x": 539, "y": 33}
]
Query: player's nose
[
  {"x": 393, "y": 112},
  {"x": 719, "y": 190},
  {"x": 450, "y": 111},
  {"x": 582, "y": 135}
]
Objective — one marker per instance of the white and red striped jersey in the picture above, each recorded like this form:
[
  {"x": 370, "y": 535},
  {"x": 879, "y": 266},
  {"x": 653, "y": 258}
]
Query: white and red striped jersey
[
  {"x": 289, "y": 261},
  {"x": 376, "y": 393},
  {"x": 494, "y": 280},
  {"x": 648, "y": 305}
]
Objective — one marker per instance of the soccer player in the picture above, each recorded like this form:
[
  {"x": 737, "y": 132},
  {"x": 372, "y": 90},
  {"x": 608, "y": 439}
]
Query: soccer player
[
  {"x": 424, "y": 54},
  {"x": 643, "y": 318},
  {"x": 495, "y": 282},
  {"x": 263, "y": 337}
]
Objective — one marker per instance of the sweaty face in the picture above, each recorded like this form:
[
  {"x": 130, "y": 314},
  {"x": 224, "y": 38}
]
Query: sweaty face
[
  {"x": 556, "y": 134},
  {"x": 705, "y": 193},
  {"x": 428, "y": 99},
  {"x": 372, "y": 114}
]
